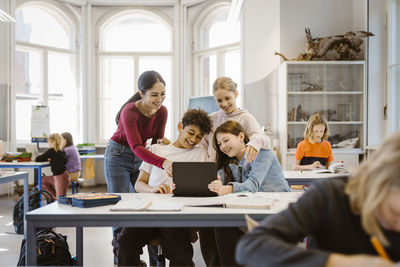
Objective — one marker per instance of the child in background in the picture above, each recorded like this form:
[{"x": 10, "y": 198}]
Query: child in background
[
  {"x": 73, "y": 161},
  {"x": 58, "y": 183},
  {"x": 348, "y": 217},
  {"x": 235, "y": 173},
  {"x": 225, "y": 93},
  {"x": 314, "y": 151}
]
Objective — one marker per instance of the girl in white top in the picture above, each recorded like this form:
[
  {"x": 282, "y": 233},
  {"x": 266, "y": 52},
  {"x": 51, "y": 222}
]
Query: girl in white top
[{"x": 225, "y": 93}]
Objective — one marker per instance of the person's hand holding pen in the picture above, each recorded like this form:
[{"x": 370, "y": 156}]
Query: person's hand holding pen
[{"x": 341, "y": 260}]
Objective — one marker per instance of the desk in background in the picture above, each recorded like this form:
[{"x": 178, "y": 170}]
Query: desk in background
[
  {"x": 59, "y": 215},
  {"x": 308, "y": 177},
  {"x": 7, "y": 177},
  {"x": 37, "y": 166}
]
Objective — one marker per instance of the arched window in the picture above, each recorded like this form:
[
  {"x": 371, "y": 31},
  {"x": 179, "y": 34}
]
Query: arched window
[
  {"x": 45, "y": 67},
  {"x": 217, "y": 48},
  {"x": 130, "y": 43}
]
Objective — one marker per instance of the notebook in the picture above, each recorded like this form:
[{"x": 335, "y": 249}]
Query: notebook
[{"x": 192, "y": 178}]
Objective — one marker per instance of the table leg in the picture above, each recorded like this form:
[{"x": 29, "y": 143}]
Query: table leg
[
  {"x": 26, "y": 201},
  {"x": 39, "y": 173},
  {"x": 79, "y": 246},
  {"x": 31, "y": 247}
]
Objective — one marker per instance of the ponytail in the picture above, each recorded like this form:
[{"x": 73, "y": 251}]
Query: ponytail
[{"x": 134, "y": 98}]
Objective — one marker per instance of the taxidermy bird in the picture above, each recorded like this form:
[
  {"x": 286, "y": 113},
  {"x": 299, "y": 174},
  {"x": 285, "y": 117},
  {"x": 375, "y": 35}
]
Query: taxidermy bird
[{"x": 337, "y": 47}]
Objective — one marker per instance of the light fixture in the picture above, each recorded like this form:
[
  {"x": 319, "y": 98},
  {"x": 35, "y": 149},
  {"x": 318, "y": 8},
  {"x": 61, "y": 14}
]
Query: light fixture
[
  {"x": 234, "y": 10},
  {"x": 5, "y": 17}
]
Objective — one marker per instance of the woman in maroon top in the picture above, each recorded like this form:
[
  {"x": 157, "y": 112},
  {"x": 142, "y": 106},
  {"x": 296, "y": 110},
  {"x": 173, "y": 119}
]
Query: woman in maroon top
[{"x": 142, "y": 117}]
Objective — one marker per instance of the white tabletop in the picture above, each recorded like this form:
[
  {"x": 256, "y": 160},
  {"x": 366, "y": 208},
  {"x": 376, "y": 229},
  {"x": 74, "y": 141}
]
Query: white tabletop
[
  {"x": 309, "y": 175},
  {"x": 56, "y": 209},
  {"x": 25, "y": 163},
  {"x": 96, "y": 156}
]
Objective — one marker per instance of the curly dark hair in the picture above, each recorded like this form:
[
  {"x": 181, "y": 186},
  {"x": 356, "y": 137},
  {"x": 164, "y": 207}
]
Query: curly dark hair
[{"x": 199, "y": 118}]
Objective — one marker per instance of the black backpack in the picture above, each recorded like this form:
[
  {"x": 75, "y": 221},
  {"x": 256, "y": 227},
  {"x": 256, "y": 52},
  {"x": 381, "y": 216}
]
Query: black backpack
[
  {"x": 52, "y": 250},
  {"x": 34, "y": 203}
]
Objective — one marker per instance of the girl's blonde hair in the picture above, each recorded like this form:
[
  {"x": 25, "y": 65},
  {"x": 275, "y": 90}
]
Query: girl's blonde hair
[
  {"x": 371, "y": 183},
  {"x": 55, "y": 139},
  {"x": 315, "y": 120},
  {"x": 224, "y": 83}
]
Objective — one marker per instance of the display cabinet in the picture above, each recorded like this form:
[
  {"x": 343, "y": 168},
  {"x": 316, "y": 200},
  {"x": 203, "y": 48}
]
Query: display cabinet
[{"x": 335, "y": 89}]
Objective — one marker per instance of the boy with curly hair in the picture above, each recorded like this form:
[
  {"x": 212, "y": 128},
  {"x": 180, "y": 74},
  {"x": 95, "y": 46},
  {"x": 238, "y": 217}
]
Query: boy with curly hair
[{"x": 176, "y": 242}]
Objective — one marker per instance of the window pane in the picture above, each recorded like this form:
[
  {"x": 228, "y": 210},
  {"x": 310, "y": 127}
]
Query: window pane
[
  {"x": 28, "y": 72},
  {"x": 23, "y": 112},
  {"x": 116, "y": 87},
  {"x": 137, "y": 32},
  {"x": 162, "y": 66},
  {"x": 217, "y": 31},
  {"x": 232, "y": 70},
  {"x": 63, "y": 98},
  {"x": 38, "y": 25},
  {"x": 209, "y": 73}
]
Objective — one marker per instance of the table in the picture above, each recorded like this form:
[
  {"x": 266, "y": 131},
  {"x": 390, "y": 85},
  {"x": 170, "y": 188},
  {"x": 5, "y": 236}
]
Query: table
[
  {"x": 37, "y": 166},
  {"x": 308, "y": 177},
  {"x": 59, "y": 215},
  {"x": 15, "y": 176}
]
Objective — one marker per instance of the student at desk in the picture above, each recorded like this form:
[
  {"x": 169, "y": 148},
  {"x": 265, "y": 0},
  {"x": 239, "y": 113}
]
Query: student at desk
[
  {"x": 352, "y": 220},
  {"x": 176, "y": 242},
  {"x": 314, "y": 151},
  {"x": 264, "y": 174}
]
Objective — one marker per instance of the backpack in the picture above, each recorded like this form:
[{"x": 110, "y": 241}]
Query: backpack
[
  {"x": 34, "y": 203},
  {"x": 52, "y": 250}
]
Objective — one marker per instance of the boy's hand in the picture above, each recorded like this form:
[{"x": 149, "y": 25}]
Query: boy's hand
[
  {"x": 164, "y": 141},
  {"x": 172, "y": 187},
  {"x": 162, "y": 189},
  {"x": 167, "y": 166},
  {"x": 250, "y": 153}
]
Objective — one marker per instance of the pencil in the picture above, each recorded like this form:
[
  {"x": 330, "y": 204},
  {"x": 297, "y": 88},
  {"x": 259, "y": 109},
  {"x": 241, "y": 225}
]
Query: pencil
[{"x": 379, "y": 248}]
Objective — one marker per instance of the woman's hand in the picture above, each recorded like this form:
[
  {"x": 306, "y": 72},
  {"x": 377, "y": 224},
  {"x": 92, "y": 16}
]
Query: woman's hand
[
  {"x": 162, "y": 189},
  {"x": 250, "y": 153},
  {"x": 164, "y": 141},
  {"x": 341, "y": 260},
  {"x": 217, "y": 187},
  {"x": 167, "y": 166}
]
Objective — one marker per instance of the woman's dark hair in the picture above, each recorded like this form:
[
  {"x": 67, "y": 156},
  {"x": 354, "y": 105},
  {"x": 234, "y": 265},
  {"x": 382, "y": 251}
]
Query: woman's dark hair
[
  {"x": 145, "y": 82},
  {"x": 68, "y": 139},
  {"x": 223, "y": 160}
]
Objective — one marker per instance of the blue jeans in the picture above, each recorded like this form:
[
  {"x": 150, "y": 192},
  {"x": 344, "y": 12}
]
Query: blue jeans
[{"x": 121, "y": 168}]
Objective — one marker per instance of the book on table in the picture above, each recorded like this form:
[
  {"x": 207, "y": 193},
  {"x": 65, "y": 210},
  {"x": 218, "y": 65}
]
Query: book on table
[
  {"x": 87, "y": 200},
  {"x": 337, "y": 167}
]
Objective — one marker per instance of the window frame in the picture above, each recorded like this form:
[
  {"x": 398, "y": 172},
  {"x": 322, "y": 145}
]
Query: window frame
[
  {"x": 199, "y": 53},
  {"x": 112, "y": 17},
  {"x": 67, "y": 17}
]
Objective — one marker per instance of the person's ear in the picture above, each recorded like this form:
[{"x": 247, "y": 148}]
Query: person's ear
[
  {"x": 236, "y": 93},
  {"x": 180, "y": 126},
  {"x": 141, "y": 94},
  {"x": 241, "y": 136}
]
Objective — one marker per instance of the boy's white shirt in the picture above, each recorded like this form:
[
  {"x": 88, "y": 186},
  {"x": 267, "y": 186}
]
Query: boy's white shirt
[
  {"x": 157, "y": 175},
  {"x": 257, "y": 138}
]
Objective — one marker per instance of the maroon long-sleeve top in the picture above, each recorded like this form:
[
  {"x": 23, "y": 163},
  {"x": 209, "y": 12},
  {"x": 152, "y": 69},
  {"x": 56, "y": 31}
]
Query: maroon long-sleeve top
[{"x": 134, "y": 129}]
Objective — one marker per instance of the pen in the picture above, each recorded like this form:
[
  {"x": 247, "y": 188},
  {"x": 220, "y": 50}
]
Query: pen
[{"x": 379, "y": 248}]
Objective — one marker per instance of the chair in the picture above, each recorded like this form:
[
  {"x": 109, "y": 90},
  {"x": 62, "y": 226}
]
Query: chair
[
  {"x": 207, "y": 103},
  {"x": 76, "y": 185}
]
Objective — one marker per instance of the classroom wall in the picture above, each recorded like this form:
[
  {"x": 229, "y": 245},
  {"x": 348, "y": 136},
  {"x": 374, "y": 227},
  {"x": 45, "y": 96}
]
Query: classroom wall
[{"x": 279, "y": 26}]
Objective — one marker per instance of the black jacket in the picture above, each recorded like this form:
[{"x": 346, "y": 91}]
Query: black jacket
[{"x": 58, "y": 160}]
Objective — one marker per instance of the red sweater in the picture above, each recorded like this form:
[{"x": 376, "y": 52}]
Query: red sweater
[{"x": 134, "y": 129}]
